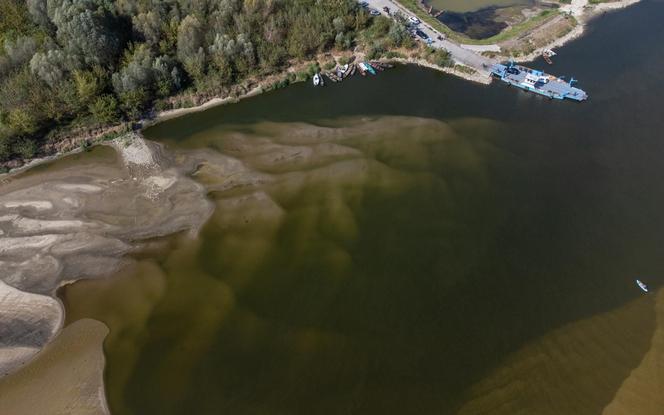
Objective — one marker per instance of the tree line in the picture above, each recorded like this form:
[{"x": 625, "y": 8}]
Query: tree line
[{"x": 98, "y": 62}]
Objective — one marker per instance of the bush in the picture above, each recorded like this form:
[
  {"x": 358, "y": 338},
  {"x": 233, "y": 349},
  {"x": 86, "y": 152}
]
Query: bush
[
  {"x": 25, "y": 148},
  {"x": 104, "y": 109},
  {"x": 301, "y": 76}
]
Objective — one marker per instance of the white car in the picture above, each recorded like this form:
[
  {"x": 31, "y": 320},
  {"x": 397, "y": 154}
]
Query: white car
[{"x": 414, "y": 20}]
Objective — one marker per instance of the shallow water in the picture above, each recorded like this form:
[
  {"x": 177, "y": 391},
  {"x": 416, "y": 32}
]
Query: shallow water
[{"x": 411, "y": 243}]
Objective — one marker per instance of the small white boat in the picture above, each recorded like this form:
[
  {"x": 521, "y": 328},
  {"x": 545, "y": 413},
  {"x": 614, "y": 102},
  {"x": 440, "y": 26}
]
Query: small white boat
[
  {"x": 318, "y": 80},
  {"x": 642, "y": 285},
  {"x": 548, "y": 52}
]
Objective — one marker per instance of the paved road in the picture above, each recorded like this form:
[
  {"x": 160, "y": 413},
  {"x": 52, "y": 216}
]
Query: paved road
[{"x": 460, "y": 55}]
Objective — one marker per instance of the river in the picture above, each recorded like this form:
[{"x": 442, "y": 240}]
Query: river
[{"x": 417, "y": 244}]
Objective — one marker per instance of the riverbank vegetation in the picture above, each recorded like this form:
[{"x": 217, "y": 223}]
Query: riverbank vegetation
[{"x": 82, "y": 64}]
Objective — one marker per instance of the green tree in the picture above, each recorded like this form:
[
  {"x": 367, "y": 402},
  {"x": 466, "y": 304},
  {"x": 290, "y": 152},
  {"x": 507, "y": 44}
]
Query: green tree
[
  {"x": 88, "y": 84},
  {"x": 190, "y": 46},
  {"x": 25, "y": 147},
  {"x": 104, "y": 109}
]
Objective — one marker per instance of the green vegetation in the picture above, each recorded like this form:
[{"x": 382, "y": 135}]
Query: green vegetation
[
  {"x": 439, "y": 57},
  {"x": 95, "y": 63}
]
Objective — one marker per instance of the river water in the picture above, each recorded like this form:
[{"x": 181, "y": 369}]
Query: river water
[{"x": 416, "y": 244}]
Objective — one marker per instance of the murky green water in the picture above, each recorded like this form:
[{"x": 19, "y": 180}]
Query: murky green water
[
  {"x": 407, "y": 244},
  {"x": 472, "y": 5}
]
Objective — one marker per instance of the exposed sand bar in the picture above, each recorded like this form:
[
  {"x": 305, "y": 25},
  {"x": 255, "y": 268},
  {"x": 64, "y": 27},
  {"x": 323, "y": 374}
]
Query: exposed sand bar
[
  {"x": 66, "y": 378},
  {"x": 80, "y": 222},
  {"x": 27, "y": 321}
]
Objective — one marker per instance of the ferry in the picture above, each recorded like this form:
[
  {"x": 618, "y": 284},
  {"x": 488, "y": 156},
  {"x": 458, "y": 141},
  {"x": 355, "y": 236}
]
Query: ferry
[
  {"x": 538, "y": 82},
  {"x": 642, "y": 285}
]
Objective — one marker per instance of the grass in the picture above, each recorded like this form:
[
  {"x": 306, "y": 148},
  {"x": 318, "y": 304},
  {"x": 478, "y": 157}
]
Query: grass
[{"x": 508, "y": 34}]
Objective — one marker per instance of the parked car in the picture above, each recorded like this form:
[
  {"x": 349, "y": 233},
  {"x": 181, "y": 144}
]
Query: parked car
[
  {"x": 374, "y": 12},
  {"x": 414, "y": 20},
  {"x": 421, "y": 34},
  {"x": 364, "y": 4}
]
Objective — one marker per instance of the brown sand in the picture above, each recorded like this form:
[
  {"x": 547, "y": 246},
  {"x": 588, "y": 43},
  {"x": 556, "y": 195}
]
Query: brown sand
[{"x": 66, "y": 378}]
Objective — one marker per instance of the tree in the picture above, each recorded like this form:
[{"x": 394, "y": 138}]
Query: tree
[
  {"x": 190, "y": 46},
  {"x": 20, "y": 50},
  {"x": 137, "y": 73},
  {"x": 22, "y": 122},
  {"x": 87, "y": 29},
  {"x": 39, "y": 13},
  {"x": 49, "y": 66},
  {"x": 88, "y": 84},
  {"x": 25, "y": 147},
  {"x": 148, "y": 27},
  {"x": 104, "y": 109}
]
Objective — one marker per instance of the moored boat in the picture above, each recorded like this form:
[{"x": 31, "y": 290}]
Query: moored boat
[
  {"x": 642, "y": 285},
  {"x": 538, "y": 82},
  {"x": 369, "y": 68},
  {"x": 345, "y": 70},
  {"x": 317, "y": 80}
]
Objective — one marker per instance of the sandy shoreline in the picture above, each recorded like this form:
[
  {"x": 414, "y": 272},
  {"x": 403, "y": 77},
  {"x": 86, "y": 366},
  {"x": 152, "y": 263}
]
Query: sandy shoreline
[{"x": 48, "y": 238}]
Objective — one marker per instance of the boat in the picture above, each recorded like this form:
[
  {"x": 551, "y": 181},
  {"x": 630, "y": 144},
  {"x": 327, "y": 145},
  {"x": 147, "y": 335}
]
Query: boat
[
  {"x": 345, "y": 70},
  {"x": 361, "y": 68},
  {"x": 379, "y": 65},
  {"x": 538, "y": 82},
  {"x": 353, "y": 67},
  {"x": 547, "y": 54},
  {"x": 318, "y": 80},
  {"x": 333, "y": 77},
  {"x": 367, "y": 68},
  {"x": 642, "y": 285}
]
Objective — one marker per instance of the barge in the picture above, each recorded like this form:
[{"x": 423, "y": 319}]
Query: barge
[{"x": 538, "y": 82}]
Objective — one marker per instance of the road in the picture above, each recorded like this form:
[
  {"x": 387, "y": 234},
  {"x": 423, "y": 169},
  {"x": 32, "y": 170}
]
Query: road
[{"x": 459, "y": 54}]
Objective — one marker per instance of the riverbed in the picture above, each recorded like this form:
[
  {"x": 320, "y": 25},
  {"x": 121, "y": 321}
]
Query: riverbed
[{"x": 410, "y": 243}]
